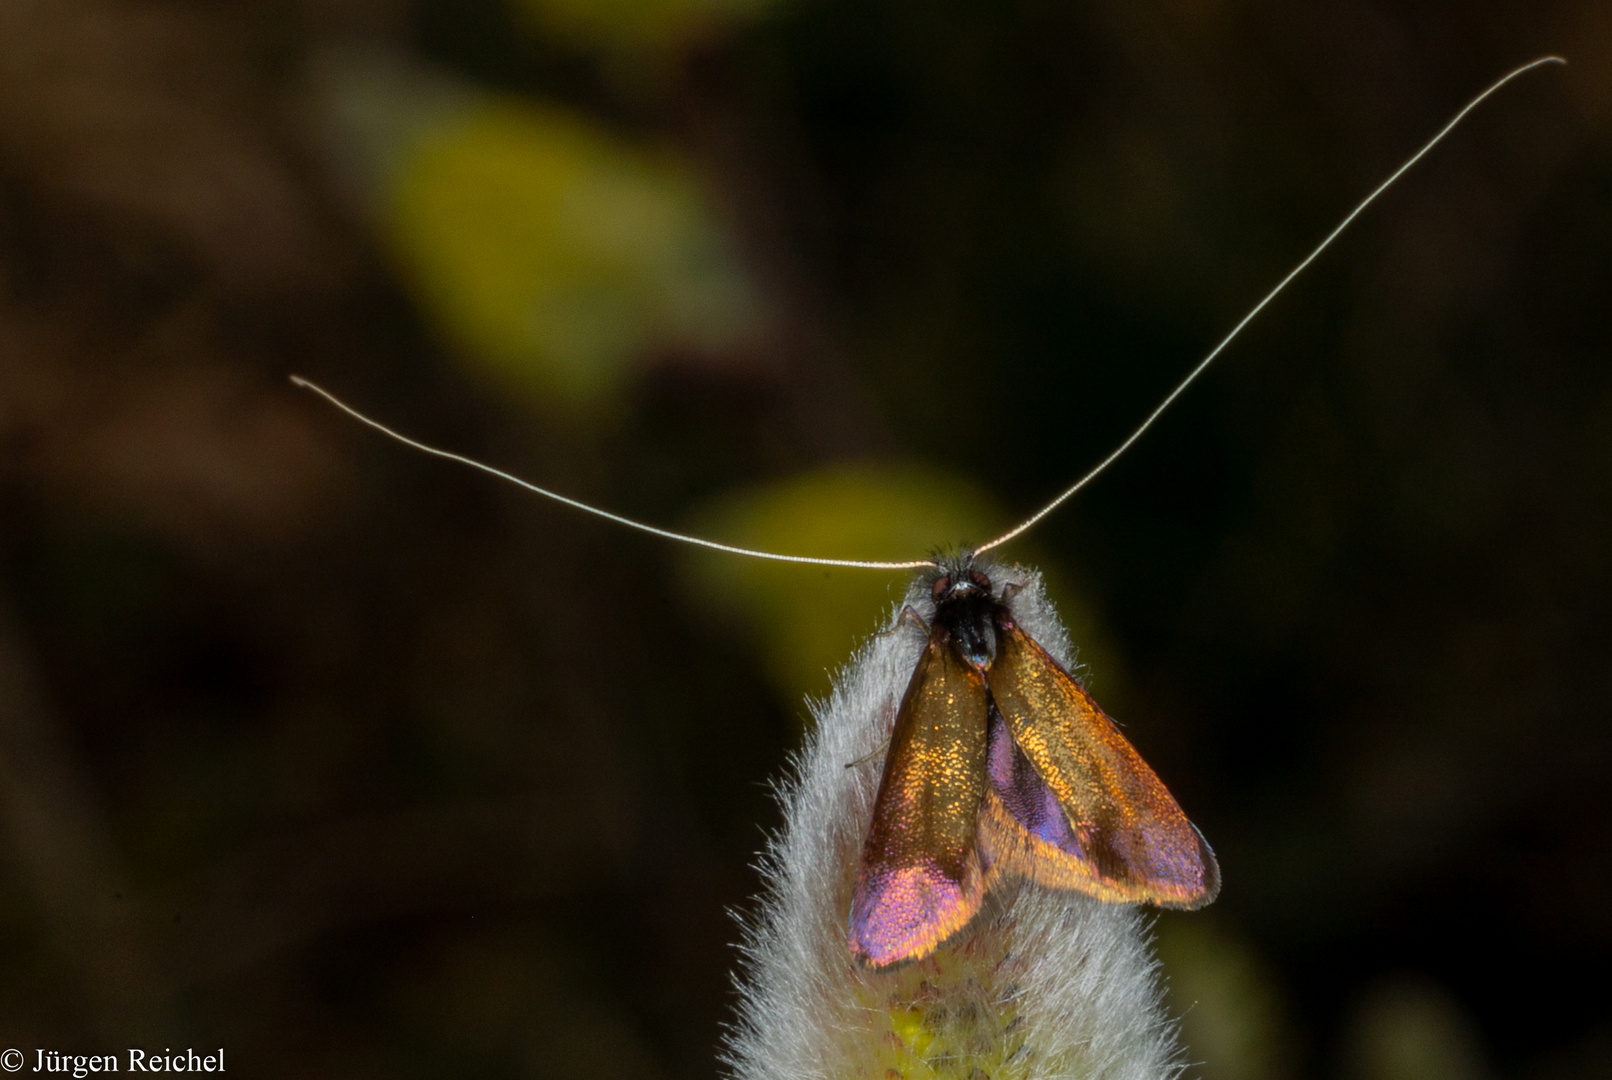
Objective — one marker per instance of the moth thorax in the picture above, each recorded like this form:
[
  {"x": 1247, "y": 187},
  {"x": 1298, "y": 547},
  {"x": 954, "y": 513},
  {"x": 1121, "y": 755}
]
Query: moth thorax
[{"x": 968, "y": 614}]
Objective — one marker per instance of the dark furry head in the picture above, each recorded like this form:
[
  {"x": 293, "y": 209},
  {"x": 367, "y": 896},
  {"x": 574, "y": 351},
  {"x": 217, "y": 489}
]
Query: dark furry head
[{"x": 959, "y": 573}]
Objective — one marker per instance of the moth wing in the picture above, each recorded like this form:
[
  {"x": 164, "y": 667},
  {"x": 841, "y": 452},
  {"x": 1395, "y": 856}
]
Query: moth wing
[
  {"x": 1072, "y": 804},
  {"x": 920, "y": 878}
]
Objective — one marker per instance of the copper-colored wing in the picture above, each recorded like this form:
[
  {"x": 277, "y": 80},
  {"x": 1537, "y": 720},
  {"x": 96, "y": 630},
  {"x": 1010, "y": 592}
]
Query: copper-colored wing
[
  {"x": 1072, "y": 804},
  {"x": 920, "y": 879}
]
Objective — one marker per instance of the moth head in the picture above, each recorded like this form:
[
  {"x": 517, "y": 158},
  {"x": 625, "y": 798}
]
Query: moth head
[{"x": 959, "y": 576}]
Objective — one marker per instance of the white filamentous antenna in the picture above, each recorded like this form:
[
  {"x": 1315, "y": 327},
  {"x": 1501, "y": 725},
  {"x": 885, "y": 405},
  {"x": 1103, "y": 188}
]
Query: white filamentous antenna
[
  {"x": 1169, "y": 399},
  {"x": 1027, "y": 523},
  {"x": 665, "y": 534}
]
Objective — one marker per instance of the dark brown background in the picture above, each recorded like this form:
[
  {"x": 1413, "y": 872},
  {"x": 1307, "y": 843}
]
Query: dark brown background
[{"x": 358, "y": 765}]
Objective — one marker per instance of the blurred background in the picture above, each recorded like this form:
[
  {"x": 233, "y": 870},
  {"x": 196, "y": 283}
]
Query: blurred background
[{"x": 359, "y": 764}]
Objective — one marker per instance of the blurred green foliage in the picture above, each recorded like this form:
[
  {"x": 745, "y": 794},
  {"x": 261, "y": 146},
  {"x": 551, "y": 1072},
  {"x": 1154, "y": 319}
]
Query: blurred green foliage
[
  {"x": 1233, "y": 1020},
  {"x": 636, "y": 26},
  {"x": 556, "y": 255},
  {"x": 1407, "y": 1027}
]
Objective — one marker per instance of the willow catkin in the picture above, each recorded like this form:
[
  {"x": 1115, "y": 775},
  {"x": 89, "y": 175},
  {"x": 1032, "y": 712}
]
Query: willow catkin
[{"x": 1044, "y": 983}]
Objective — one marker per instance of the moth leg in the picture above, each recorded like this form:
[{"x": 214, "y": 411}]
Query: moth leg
[
  {"x": 907, "y": 617},
  {"x": 870, "y": 755},
  {"x": 1010, "y": 590}
]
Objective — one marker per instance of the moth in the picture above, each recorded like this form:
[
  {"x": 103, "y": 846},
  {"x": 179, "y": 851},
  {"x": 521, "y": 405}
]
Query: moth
[{"x": 999, "y": 763}]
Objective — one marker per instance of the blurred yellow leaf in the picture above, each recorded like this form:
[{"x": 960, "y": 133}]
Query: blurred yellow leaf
[
  {"x": 557, "y": 255},
  {"x": 1232, "y": 1018},
  {"x": 807, "y": 619}
]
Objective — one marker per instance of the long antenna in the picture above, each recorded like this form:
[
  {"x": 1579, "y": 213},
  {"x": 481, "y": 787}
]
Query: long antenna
[
  {"x": 1114, "y": 455},
  {"x": 1029, "y": 522},
  {"x": 666, "y": 534}
]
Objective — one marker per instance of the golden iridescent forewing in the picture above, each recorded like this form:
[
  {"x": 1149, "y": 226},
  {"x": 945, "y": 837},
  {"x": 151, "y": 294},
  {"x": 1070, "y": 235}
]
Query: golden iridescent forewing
[
  {"x": 1070, "y": 803},
  {"x": 920, "y": 879}
]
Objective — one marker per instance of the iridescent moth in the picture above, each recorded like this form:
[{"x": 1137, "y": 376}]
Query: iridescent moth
[{"x": 999, "y": 763}]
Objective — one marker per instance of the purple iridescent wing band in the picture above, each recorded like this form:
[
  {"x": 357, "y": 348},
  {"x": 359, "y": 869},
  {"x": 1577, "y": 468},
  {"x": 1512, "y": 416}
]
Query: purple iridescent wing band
[{"x": 1071, "y": 802}]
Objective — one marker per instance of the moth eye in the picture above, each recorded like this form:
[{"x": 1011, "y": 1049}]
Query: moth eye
[
  {"x": 942, "y": 583},
  {"x": 980, "y": 579}
]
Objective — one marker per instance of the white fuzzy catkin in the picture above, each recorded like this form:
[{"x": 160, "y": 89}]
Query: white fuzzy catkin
[{"x": 1043, "y": 983}]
